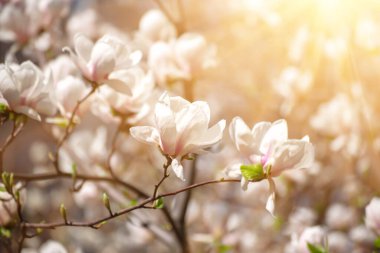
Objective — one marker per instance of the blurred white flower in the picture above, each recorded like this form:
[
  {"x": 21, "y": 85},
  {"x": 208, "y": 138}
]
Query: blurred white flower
[
  {"x": 52, "y": 247},
  {"x": 155, "y": 26},
  {"x": 268, "y": 146},
  {"x": 68, "y": 92},
  {"x": 19, "y": 21},
  {"x": 136, "y": 104},
  {"x": 339, "y": 216},
  {"x": 180, "y": 128},
  {"x": 314, "y": 235},
  {"x": 181, "y": 59},
  {"x": 51, "y": 10},
  {"x": 372, "y": 215},
  {"x": 99, "y": 61},
  {"x": 25, "y": 90}
]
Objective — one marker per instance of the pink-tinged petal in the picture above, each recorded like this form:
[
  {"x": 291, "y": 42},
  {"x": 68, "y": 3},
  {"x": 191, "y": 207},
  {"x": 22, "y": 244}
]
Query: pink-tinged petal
[
  {"x": 278, "y": 132},
  {"x": 270, "y": 205},
  {"x": 83, "y": 47},
  {"x": 146, "y": 134},
  {"x": 240, "y": 135},
  {"x": 178, "y": 169},
  {"x": 119, "y": 86},
  {"x": 28, "y": 112},
  {"x": 292, "y": 154},
  {"x": 78, "y": 61}
]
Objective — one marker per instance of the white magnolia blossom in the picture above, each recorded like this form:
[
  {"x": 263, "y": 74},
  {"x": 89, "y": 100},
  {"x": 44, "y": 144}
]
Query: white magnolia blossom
[
  {"x": 19, "y": 22},
  {"x": 99, "y": 62},
  {"x": 142, "y": 85},
  {"x": 69, "y": 91},
  {"x": 180, "y": 128},
  {"x": 25, "y": 90},
  {"x": 180, "y": 59},
  {"x": 314, "y": 235},
  {"x": 267, "y": 144},
  {"x": 155, "y": 26},
  {"x": 372, "y": 215}
]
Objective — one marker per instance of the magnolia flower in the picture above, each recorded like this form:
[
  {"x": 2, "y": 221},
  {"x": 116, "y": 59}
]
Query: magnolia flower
[
  {"x": 155, "y": 26},
  {"x": 182, "y": 58},
  {"x": 372, "y": 215},
  {"x": 180, "y": 128},
  {"x": 312, "y": 235},
  {"x": 135, "y": 106},
  {"x": 100, "y": 61},
  {"x": 19, "y": 21},
  {"x": 267, "y": 148},
  {"x": 24, "y": 90}
]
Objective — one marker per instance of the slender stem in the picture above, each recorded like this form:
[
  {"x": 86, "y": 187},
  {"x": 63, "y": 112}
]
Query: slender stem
[
  {"x": 164, "y": 176},
  {"x": 49, "y": 176},
  {"x": 184, "y": 207},
  {"x": 95, "y": 224},
  {"x": 70, "y": 127},
  {"x": 16, "y": 129}
]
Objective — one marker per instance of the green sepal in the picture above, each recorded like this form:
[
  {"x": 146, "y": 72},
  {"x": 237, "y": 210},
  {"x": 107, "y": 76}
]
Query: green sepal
[{"x": 253, "y": 172}]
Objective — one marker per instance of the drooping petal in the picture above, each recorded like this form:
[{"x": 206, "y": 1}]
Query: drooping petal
[
  {"x": 146, "y": 134},
  {"x": 270, "y": 205},
  {"x": 178, "y": 169}
]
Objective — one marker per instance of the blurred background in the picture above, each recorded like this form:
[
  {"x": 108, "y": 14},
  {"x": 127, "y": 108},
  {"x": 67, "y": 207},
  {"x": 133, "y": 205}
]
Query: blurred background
[{"x": 312, "y": 62}]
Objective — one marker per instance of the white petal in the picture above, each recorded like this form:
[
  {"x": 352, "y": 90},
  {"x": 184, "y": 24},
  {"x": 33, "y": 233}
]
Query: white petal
[
  {"x": 119, "y": 86},
  {"x": 270, "y": 205},
  {"x": 240, "y": 134},
  {"x": 209, "y": 138},
  {"x": 258, "y": 133},
  {"x": 8, "y": 88},
  {"x": 292, "y": 154},
  {"x": 244, "y": 183},
  {"x": 102, "y": 61},
  {"x": 146, "y": 134},
  {"x": 278, "y": 132},
  {"x": 28, "y": 112},
  {"x": 83, "y": 47},
  {"x": 178, "y": 169},
  {"x": 165, "y": 122}
]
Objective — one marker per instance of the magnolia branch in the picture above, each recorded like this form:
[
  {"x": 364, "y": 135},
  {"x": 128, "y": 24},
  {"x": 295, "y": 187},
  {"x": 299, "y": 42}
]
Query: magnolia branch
[
  {"x": 49, "y": 176},
  {"x": 144, "y": 204},
  {"x": 70, "y": 127}
]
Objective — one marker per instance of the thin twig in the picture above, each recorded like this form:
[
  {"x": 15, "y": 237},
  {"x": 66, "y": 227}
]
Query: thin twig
[
  {"x": 96, "y": 223},
  {"x": 70, "y": 127}
]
